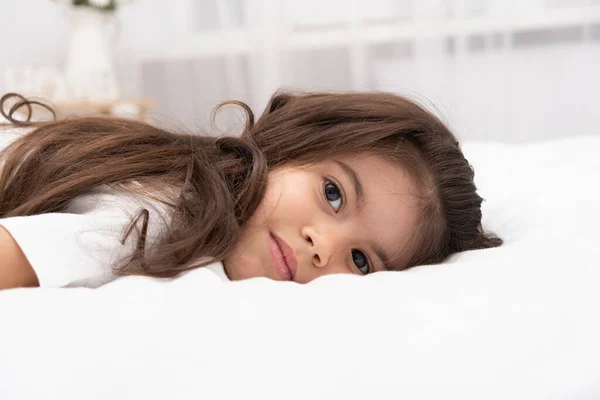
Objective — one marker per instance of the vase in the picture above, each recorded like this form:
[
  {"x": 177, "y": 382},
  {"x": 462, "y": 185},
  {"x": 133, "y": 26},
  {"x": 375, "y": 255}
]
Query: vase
[{"x": 90, "y": 71}]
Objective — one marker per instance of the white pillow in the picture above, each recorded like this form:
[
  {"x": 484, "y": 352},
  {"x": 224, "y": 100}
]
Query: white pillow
[{"x": 516, "y": 322}]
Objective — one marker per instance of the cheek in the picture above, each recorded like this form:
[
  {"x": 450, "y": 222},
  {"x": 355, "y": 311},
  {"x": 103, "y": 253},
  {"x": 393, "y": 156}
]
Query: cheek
[
  {"x": 249, "y": 257},
  {"x": 284, "y": 199}
]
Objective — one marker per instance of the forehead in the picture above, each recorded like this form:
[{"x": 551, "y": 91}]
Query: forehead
[{"x": 389, "y": 213}]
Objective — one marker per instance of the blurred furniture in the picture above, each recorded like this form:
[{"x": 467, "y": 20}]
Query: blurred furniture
[
  {"x": 503, "y": 70},
  {"x": 134, "y": 108},
  {"x": 495, "y": 69}
]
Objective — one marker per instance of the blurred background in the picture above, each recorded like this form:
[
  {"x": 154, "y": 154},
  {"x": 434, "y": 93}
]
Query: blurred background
[{"x": 503, "y": 70}]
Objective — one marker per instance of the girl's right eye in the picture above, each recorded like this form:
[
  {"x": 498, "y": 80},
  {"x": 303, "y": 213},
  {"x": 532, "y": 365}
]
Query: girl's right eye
[{"x": 333, "y": 195}]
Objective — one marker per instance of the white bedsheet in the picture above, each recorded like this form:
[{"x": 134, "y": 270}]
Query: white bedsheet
[{"x": 517, "y": 322}]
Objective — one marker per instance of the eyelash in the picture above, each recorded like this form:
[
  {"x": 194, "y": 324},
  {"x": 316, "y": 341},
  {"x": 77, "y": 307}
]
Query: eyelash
[{"x": 342, "y": 197}]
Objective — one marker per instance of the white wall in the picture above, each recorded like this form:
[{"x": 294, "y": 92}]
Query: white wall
[
  {"x": 516, "y": 95},
  {"x": 31, "y": 33}
]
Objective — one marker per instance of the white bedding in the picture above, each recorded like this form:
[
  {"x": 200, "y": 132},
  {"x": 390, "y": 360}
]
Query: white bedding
[{"x": 517, "y": 322}]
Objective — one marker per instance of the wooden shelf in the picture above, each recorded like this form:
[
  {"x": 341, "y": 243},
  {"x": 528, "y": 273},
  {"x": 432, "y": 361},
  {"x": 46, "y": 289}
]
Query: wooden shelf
[
  {"x": 103, "y": 106},
  {"x": 136, "y": 108}
]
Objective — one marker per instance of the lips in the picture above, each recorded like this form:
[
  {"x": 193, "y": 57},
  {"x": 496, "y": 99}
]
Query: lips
[{"x": 283, "y": 257}]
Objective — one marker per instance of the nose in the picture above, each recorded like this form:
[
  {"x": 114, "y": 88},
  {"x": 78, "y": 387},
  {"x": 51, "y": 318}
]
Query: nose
[{"x": 320, "y": 246}]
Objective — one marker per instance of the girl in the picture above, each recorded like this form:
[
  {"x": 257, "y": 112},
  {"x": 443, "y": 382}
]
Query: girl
[{"x": 322, "y": 183}]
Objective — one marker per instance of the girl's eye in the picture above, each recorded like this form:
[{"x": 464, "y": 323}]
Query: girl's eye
[
  {"x": 333, "y": 195},
  {"x": 361, "y": 261}
]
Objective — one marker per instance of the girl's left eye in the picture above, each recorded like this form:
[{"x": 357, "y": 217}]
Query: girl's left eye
[{"x": 333, "y": 195}]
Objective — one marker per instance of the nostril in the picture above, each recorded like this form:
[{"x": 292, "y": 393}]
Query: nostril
[{"x": 317, "y": 259}]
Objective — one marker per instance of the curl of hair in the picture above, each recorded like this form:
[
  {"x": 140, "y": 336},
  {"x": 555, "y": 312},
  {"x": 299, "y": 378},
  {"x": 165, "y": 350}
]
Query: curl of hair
[{"x": 20, "y": 102}]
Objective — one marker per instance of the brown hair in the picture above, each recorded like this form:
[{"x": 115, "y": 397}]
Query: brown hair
[{"x": 223, "y": 179}]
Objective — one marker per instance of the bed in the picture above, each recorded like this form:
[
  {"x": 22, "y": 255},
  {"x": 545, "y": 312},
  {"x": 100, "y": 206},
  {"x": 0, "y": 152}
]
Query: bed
[{"x": 517, "y": 322}]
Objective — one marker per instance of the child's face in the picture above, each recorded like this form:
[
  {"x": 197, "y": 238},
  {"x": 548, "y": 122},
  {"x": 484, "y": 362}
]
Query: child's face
[{"x": 300, "y": 207}]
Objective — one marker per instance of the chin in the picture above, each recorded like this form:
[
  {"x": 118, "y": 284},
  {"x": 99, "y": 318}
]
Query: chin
[{"x": 243, "y": 270}]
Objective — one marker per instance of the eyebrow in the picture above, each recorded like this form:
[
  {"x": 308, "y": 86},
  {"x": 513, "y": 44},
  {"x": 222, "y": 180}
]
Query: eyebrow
[
  {"x": 353, "y": 176},
  {"x": 360, "y": 195}
]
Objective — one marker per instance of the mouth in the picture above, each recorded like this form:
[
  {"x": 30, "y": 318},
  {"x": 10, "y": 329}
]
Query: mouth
[{"x": 282, "y": 258}]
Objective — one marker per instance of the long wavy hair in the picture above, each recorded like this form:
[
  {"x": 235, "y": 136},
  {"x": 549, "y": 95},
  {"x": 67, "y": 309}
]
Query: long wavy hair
[{"x": 223, "y": 179}]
